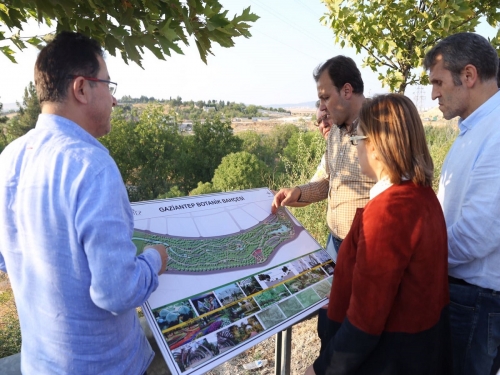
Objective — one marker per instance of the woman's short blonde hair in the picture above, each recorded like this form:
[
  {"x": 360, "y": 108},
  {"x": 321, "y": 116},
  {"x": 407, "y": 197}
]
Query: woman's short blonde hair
[{"x": 392, "y": 123}]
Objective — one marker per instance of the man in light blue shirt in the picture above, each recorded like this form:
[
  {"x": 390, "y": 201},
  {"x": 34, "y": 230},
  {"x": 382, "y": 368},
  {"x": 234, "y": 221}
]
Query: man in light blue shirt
[
  {"x": 463, "y": 73},
  {"x": 66, "y": 226}
]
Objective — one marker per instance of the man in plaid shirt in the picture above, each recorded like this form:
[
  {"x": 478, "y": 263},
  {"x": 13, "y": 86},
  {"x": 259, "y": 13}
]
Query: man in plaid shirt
[{"x": 340, "y": 92}]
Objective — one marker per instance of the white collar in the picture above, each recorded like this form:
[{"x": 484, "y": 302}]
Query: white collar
[{"x": 383, "y": 184}]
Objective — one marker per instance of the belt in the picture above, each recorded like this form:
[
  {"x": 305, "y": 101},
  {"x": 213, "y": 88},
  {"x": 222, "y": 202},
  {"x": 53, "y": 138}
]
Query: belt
[
  {"x": 454, "y": 280},
  {"x": 336, "y": 238}
]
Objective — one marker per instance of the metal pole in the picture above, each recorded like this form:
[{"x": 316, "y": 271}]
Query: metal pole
[
  {"x": 277, "y": 353},
  {"x": 283, "y": 352}
]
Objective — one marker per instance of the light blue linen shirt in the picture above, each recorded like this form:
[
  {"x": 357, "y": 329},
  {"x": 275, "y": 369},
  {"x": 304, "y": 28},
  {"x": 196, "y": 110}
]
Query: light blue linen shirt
[
  {"x": 469, "y": 192},
  {"x": 65, "y": 241}
]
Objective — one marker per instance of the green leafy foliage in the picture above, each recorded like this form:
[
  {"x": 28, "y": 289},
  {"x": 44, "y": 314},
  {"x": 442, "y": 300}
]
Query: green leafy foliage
[
  {"x": 10, "y": 330},
  {"x": 174, "y": 192},
  {"x": 3, "y": 119},
  {"x": 396, "y": 34},
  {"x": 155, "y": 146},
  {"x": 238, "y": 171},
  {"x": 3, "y": 137},
  {"x": 156, "y": 159},
  {"x": 301, "y": 159},
  {"x": 129, "y": 26},
  {"x": 212, "y": 140},
  {"x": 27, "y": 116},
  {"x": 121, "y": 142},
  {"x": 310, "y": 142},
  {"x": 439, "y": 141},
  {"x": 203, "y": 188},
  {"x": 261, "y": 146}
]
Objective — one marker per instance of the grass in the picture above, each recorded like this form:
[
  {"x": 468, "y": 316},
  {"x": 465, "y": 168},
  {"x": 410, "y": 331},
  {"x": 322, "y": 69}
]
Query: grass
[{"x": 10, "y": 331}]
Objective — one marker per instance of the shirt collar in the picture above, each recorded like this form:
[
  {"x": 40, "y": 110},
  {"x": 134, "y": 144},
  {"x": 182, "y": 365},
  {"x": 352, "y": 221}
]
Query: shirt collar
[
  {"x": 63, "y": 125},
  {"x": 482, "y": 111},
  {"x": 354, "y": 125},
  {"x": 383, "y": 184}
]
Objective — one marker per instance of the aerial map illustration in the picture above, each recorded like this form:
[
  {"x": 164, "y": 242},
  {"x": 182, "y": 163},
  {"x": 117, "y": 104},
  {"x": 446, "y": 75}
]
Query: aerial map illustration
[
  {"x": 245, "y": 248},
  {"x": 237, "y": 274}
]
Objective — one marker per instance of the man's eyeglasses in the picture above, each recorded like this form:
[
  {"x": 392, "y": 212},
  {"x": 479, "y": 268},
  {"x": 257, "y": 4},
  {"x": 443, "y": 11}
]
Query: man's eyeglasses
[
  {"x": 111, "y": 85},
  {"x": 320, "y": 120},
  {"x": 355, "y": 138}
]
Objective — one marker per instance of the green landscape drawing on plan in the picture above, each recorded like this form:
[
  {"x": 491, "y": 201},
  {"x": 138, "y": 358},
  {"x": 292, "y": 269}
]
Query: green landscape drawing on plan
[{"x": 246, "y": 248}]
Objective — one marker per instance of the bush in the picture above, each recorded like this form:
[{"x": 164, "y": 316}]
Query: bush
[
  {"x": 240, "y": 170},
  {"x": 439, "y": 141},
  {"x": 203, "y": 188},
  {"x": 303, "y": 157},
  {"x": 10, "y": 330}
]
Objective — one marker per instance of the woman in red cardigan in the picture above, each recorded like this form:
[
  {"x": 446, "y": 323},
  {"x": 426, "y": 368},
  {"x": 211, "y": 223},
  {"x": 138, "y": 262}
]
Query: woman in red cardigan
[{"x": 388, "y": 310}]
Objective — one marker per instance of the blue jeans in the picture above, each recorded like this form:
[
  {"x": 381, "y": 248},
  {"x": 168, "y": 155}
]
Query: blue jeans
[
  {"x": 475, "y": 329},
  {"x": 333, "y": 246}
]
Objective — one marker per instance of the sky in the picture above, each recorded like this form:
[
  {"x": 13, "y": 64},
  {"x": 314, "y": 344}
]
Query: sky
[{"x": 272, "y": 67}]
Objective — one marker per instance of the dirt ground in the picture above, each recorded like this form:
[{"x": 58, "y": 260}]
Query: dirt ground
[
  {"x": 432, "y": 117},
  {"x": 265, "y": 127}
]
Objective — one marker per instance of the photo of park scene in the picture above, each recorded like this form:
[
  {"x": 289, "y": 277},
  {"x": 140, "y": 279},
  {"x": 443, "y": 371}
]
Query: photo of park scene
[
  {"x": 245, "y": 329},
  {"x": 308, "y": 297},
  {"x": 205, "y": 303},
  {"x": 250, "y": 286},
  {"x": 173, "y": 314},
  {"x": 290, "y": 307},
  {"x": 244, "y": 308},
  {"x": 310, "y": 260},
  {"x": 328, "y": 267},
  {"x": 313, "y": 276},
  {"x": 322, "y": 256},
  {"x": 208, "y": 323},
  {"x": 198, "y": 328},
  {"x": 300, "y": 265},
  {"x": 330, "y": 280},
  {"x": 229, "y": 293},
  {"x": 271, "y": 316},
  {"x": 225, "y": 340},
  {"x": 275, "y": 276},
  {"x": 195, "y": 353},
  {"x": 305, "y": 280},
  {"x": 271, "y": 296},
  {"x": 323, "y": 288},
  {"x": 296, "y": 284}
]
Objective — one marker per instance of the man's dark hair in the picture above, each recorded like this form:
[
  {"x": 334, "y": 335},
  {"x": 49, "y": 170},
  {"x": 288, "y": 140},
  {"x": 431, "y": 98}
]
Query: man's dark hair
[
  {"x": 498, "y": 74},
  {"x": 68, "y": 54},
  {"x": 461, "y": 49},
  {"x": 342, "y": 70}
]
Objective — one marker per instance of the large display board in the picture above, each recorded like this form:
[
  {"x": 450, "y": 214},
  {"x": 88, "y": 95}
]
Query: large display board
[{"x": 237, "y": 274}]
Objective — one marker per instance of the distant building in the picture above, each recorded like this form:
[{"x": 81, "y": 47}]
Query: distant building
[
  {"x": 273, "y": 113},
  {"x": 208, "y": 109},
  {"x": 186, "y": 127}
]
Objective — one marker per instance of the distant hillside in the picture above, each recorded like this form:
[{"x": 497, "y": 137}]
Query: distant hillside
[
  {"x": 9, "y": 106},
  {"x": 296, "y": 105}
]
